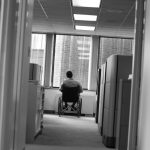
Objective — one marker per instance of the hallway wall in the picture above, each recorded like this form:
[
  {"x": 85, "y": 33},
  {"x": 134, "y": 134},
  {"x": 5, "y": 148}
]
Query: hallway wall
[{"x": 144, "y": 119}]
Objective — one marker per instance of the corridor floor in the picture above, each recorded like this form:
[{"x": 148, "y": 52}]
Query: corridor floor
[{"x": 68, "y": 133}]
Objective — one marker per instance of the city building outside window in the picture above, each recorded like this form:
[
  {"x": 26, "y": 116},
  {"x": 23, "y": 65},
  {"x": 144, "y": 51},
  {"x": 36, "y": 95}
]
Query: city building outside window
[{"x": 72, "y": 53}]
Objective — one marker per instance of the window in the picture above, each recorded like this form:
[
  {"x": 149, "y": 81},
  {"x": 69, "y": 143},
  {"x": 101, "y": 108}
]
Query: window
[
  {"x": 72, "y": 53},
  {"x": 38, "y": 50},
  {"x": 110, "y": 46}
]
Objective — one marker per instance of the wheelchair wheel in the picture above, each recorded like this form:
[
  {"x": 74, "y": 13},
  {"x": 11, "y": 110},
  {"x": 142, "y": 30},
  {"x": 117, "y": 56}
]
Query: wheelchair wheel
[
  {"x": 59, "y": 107},
  {"x": 79, "y": 105}
]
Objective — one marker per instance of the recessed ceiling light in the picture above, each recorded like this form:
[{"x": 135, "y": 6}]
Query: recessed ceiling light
[
  {"x": 85, "y": 17},
  {"x": 86, "y": 3},
  {"x": 91, "y": 28}
]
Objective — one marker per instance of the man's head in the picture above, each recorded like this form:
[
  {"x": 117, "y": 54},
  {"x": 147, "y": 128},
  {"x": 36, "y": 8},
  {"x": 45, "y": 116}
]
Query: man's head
[{"x": 69, "y": 74}]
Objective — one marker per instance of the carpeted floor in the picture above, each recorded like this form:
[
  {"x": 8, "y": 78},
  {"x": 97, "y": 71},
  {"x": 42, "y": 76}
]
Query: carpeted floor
[
  {"x": 49, "y": 147},
  {"x": 67, "y": 132}
]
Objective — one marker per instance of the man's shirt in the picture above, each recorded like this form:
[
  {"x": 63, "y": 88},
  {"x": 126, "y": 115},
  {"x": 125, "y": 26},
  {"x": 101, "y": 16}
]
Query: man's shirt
[{"x": 71, "y": 83}]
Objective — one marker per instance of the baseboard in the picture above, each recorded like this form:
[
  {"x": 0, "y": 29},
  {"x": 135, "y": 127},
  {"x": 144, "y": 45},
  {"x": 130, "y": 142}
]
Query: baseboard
[
  {"x": 109, "y": 141},
  {"x": 49, "y": 112},
  {"x": 75, "y": 114},
  {"x": 38, "y": 133},
  {"x": 54, "y": 112}
]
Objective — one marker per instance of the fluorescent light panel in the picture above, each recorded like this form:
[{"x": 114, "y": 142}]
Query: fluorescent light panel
[
  {"x": 90, "y": 28},
  {"x": 86, "y": 3},
  {"x": 85, "y": 17}
]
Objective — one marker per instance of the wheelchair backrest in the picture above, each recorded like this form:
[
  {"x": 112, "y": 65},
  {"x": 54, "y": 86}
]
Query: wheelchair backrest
[{"x": 70, "y": 94}]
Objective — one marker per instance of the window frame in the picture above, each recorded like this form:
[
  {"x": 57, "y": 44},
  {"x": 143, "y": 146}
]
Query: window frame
[
  {"x": 45, "y": 52},
  {"x": 53, "y": 57}
]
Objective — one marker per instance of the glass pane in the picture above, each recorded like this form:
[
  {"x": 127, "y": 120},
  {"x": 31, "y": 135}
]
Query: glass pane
[
  {"x": 111, "y": 46},
  {"x": 72, "y": 53},
  {"x": 38, "y": 50}
]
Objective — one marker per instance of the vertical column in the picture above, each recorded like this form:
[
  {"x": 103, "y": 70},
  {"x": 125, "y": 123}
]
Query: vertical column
[
  {"x": 93, "y": 66},
  {"x": 49, "y": 59}
]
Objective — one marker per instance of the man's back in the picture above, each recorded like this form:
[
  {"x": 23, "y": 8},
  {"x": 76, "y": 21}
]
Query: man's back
[{"x": 71, "y": 83}]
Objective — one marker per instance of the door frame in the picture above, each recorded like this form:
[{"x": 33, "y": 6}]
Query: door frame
[
  {"x": 15, "y": 38},
  {"x": 136, "y": 76}
]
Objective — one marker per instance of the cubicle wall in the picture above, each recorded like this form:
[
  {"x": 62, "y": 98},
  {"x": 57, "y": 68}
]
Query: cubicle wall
[
  {"x": 101, "y": 98},
  {"x": 118, "y": 67},
  {"x": 123, "y": 114}
]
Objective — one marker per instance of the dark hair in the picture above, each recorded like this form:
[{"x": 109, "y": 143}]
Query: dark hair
[{"x": 69, "y": 74}]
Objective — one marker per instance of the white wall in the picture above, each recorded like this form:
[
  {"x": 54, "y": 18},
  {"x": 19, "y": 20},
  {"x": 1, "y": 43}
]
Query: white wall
[
  {"x": 144, "y": 112},
  {"x": 88, "y": 101}
]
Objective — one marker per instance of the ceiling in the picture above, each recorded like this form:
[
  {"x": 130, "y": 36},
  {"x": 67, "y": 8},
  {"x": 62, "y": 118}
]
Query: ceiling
[{"x": 115, "y": 17}]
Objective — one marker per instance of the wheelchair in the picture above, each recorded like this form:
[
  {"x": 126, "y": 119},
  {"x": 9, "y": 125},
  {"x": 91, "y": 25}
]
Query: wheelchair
[{"x": 70, "y": 95}]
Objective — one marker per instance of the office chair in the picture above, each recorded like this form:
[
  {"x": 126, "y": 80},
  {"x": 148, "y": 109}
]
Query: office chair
[{"x": 69, "y": 95}]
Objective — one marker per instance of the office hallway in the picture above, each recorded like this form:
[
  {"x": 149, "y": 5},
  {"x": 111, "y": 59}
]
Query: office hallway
[{"x": 68, "y": 132}]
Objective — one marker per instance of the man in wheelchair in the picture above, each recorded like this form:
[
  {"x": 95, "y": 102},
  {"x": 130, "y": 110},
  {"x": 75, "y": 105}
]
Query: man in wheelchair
[{"x": 71, "y": 90}]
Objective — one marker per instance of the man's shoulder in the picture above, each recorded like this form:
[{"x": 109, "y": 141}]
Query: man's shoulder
[
  {"x": 71, "y": 82},
  {"x": 76, "y": 82}
]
